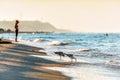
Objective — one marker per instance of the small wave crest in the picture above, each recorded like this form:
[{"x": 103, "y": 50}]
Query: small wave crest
[
  {"x": 85, "y": 49},
  {"x": 111, "y": 62},
  {"x": 58, "y": 43},
  {"x": 36, "y": 40}
]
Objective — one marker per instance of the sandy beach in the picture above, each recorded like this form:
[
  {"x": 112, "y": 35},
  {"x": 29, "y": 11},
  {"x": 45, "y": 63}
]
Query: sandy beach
[{"x": 16, "y": 64}]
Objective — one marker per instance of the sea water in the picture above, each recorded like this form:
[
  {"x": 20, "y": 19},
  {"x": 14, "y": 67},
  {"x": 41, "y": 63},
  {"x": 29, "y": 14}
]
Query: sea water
[{"x": 97, "y": 54}]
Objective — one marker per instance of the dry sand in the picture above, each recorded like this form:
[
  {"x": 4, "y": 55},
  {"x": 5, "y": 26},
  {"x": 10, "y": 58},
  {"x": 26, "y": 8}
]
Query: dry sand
[{"x": 16, "y": 64}]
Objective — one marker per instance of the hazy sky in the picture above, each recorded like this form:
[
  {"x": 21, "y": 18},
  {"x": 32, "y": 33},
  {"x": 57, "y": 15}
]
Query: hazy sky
[{"x": 76, "y": 15}]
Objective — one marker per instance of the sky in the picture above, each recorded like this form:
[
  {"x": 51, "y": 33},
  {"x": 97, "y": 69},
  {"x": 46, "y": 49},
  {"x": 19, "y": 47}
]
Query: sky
[{"x": 75, "y": 15}]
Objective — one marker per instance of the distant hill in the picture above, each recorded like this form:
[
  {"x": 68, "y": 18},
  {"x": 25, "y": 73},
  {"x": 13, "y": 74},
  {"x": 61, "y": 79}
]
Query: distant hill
[{"x": 30, "y": 26}]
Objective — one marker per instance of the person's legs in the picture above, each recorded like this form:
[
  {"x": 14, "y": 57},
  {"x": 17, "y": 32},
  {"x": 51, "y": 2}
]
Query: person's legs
[{"x": 16, "y": 34}]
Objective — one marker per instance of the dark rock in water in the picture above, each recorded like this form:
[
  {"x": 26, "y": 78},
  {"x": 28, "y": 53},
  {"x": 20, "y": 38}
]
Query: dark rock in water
[
  {"x": 5, "y": 41},
  {"x": 106, "y": 34}
]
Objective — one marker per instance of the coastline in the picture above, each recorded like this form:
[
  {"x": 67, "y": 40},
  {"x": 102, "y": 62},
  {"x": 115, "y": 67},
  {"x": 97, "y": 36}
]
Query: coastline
[
  {"x": 99, "y": 61},
  {"x": 16, "y": 64}
]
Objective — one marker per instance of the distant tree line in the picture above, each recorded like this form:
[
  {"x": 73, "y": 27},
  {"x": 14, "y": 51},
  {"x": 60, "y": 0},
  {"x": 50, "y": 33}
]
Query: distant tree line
[{"x": 3, "y": 30}]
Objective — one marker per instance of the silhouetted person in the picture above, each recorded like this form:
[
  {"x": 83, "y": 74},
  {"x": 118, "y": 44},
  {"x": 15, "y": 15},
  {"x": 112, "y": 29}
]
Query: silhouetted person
[
  {"x": 106, "y": 34},
  {"x": 16, "y": 30}
]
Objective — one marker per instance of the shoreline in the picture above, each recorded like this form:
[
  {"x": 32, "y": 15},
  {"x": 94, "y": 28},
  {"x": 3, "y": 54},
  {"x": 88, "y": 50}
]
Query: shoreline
[
  {"x": 101, "y": 61},
  {"x": 28, "y": 32},
  {"x": 16, "y": 64}
]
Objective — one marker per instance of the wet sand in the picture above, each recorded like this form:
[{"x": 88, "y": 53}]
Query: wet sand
[{"x": 16, "y": 64}]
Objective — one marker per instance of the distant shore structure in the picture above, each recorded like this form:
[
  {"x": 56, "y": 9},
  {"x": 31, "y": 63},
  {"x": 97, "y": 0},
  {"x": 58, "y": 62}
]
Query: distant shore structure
[{"x": 31, "y": 26}]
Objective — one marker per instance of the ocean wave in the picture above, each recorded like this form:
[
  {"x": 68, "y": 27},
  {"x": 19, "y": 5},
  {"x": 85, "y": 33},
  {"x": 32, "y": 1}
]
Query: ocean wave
[
  {"x": 58, "y": 43},
  {"x": 102, "y": 55},
  {"x": 85, "y": 49},
  {"x": 111, "y": 62},
  {"x": 36, "y": 40}
]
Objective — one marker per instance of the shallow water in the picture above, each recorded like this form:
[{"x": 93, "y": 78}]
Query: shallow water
[
  {"x": 88, "y": 72},
  {"x": 101, "y": 52}
]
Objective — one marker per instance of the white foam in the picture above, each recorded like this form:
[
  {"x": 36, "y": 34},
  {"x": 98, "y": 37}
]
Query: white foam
[
  {"x": 58, "y": 43},
  {"x": 30, "y": 43},
  {"x": 37, "y": 40},
  {"x": 87, "y": 73},
  {"x": 54, "y": 43},
  {"x": 56, "y": 58},
  {"x": 111, "y": 62},
  {"x": 85, "y": 49}
]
